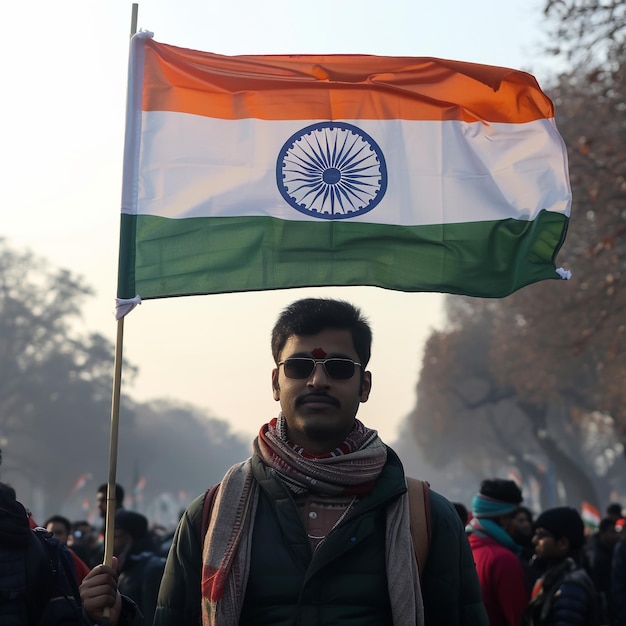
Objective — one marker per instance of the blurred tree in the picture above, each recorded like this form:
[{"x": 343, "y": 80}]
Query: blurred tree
[
  {"x": 467, "y": 410},
  {"x": 55, "y": 385},
  {"x": 55, "y": 402},
  {"x": 178, "y": 447},
  {"x": 557, "y": 351},
  {"x": 584, "y": 30}
]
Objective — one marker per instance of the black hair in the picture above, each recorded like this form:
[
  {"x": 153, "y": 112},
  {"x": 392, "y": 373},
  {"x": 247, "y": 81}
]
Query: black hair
[
  {"x": 119, "y": 492},
  {"x": 526, "y": 511},
  {"x": 501, "y": 489},
  {"x": 7, "y": 492},
  {"x": 614, "y": 508},
  {"x": 605, "y": 524},
  {"x": 61, "y": 520},
  {"x": 461, "y": 509},
  {"x": 310, "y": 316}
]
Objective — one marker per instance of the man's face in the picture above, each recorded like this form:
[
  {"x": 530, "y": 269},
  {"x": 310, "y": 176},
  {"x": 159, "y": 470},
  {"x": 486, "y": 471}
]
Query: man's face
[
  {"x": 101, "y": 500},
  {"x": 610, "y": 537},
  {"x": 522, "y": 523},
  {"x": 548, "y": 547},
  {"x": 58, "y": 531},
  {"x": 121, "y": 540},
  {"x": 83, "y": 535},
  {"x": 320, "y": 410}
]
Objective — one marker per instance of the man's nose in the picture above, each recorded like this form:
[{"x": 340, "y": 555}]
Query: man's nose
[{"x": 319, "y": 377}]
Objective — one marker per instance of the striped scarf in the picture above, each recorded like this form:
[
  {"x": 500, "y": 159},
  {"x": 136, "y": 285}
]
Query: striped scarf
[{"x": 351, "y": 469}]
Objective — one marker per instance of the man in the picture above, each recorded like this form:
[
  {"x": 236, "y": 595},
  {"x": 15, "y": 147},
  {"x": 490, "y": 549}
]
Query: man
[
  {"x": 84, "y": 541},
  {"x": 598, "y": 551},
  {"x": 101, "y": 499},
  {"x": 614, "y": 511},
  {"x": 140, "y": 569},
  {"x": 37, "y": 578},
  {"x": 503, "y": 579},
  {"x": 618, "y": 577},
  {"x": 314, "y": 528},
  {"x": 564, "y": 595},
  {"x": 60, "y": 527}
]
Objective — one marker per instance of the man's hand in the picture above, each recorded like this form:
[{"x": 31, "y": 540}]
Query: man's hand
[{"x": 99, "y": 591}]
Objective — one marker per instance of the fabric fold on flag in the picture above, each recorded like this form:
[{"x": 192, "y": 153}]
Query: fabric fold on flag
[{"x": 248, "y": 173}]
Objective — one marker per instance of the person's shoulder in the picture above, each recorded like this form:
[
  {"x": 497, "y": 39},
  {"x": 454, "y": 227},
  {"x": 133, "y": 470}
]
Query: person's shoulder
[
  {"x": 441, "y": 508},
  {"x": 154, "y": 563},
  {"x": 579, "y": 576},
  {"x": 195, "y": 506}
]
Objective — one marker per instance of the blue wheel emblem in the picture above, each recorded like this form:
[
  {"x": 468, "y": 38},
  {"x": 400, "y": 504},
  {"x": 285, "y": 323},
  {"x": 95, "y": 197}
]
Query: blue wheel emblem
[{"x": 331, "y": 170}]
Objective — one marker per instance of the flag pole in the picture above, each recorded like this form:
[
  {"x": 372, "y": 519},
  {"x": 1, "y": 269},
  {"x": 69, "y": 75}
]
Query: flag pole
[
  {"x": 115, "y": 417},
  {"x": 113, "y": 444}
]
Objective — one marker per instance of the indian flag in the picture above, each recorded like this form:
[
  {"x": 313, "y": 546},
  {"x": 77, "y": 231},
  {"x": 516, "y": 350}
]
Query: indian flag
[
  {"x": 246, "y": 173},
  {"x": 591, "y": 515}
]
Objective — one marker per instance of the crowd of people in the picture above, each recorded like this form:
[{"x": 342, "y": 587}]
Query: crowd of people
[
  {"x": 320, "y": 526},
  {"x": 549, "y": 570}
]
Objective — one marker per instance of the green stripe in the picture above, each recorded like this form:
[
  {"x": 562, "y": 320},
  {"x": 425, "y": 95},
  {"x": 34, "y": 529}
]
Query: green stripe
[{"x": 219, "y": 255}]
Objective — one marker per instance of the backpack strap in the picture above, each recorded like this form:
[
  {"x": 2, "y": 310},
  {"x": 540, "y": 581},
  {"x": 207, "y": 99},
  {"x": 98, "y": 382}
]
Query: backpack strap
[
  {"x": 207, "y": 508},
  {"x": 419, "y": 511}
]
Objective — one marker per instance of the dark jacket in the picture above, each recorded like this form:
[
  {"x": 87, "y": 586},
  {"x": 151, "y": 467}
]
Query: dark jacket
[
  {"x": 563, "y": 596},
  {"x": 451, "y": 591},
  {"x": 618, "y": 582},
  {"x": 140, "y": 580}
]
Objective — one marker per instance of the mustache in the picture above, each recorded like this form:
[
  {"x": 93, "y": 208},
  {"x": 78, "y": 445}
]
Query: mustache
[{"x": 317, "y": 396}]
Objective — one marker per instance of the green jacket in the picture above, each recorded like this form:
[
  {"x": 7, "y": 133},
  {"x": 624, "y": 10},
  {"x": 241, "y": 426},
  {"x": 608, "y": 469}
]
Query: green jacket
[{"x": 451, "y": 590}]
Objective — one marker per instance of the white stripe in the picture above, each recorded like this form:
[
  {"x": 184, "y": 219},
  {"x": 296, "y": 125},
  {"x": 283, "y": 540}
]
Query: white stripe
[{"x": 450, "y": 172}]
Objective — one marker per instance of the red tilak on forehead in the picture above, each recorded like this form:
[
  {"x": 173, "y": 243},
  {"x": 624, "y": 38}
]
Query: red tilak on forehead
[{"x": 318, "y": 353}]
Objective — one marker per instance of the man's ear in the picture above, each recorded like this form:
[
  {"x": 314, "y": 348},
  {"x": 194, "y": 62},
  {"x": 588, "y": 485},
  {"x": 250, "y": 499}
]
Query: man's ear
[
  {"x": 366, "y": 386},
  {"x": 563, "y": 545},
  {"x": 275, "y": 385}
]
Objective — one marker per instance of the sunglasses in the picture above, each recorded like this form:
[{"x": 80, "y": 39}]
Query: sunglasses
[{"x": 303, "y": 367}]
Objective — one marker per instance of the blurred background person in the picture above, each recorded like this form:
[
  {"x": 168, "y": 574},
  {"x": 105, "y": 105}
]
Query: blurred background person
[
  {"x": 84, "y": 541},
  {"x": 60, "y": 527},
  {"x": 498, "y": 558},
  {"x": 140, "y": 568},
  {"x": 564, "y": 595}
]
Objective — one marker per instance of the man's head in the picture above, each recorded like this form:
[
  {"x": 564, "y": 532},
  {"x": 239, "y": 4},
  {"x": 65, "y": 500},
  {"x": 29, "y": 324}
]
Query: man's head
[
  {"x": 614, "y": 511},
  {"x": 523, "y": 522},
  {"x": 130, "y": 528},
  {"x": 60, "y": 528},
  {"x": 321, "y": 348},
  {"x": 101, "y": 498},
  {"x": 609, "y": 532},
  {"x": 310, "y": 316},
  {"x": 497, "y": 499},
  {"x": 83, "y": 534},
  {"x": 559, "y": 532}
]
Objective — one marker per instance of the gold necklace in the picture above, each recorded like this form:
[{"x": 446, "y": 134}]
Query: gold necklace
[{"x": 341, "y": 518}]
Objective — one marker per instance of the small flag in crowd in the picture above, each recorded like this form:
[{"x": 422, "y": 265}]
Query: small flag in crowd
[{"x": 591, "y": 516}]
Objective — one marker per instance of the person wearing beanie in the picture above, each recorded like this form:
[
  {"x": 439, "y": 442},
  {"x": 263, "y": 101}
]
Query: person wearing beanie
[
  {"x": 497, "y": 556},
  {"x": 564, "y": 595},
  {"x": 140, "y": 568}
]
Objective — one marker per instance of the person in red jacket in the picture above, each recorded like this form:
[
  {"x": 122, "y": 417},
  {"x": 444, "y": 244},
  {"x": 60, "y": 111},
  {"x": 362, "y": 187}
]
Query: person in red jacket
[
  {"x": 60, "y": 528},
  {"x": 497, "y": 556}
]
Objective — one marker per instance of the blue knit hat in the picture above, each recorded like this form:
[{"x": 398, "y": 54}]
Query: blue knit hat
[{"x": 497, "y": 496}]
